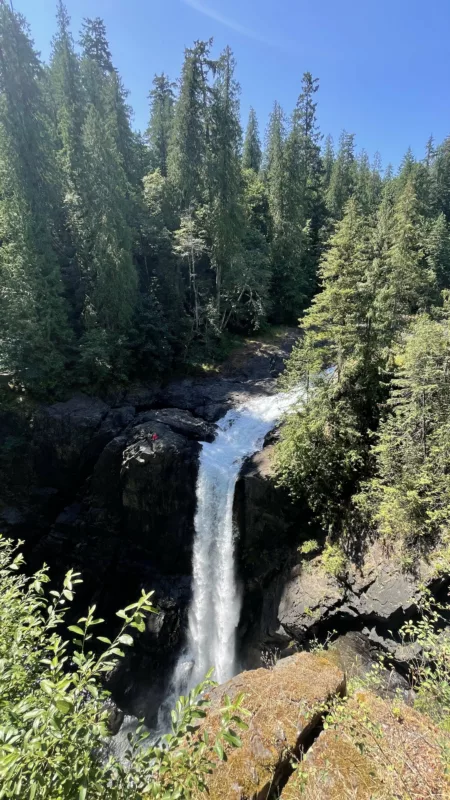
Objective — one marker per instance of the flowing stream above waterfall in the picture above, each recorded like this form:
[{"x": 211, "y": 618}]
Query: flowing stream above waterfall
[{"x": 215, "y": 606}]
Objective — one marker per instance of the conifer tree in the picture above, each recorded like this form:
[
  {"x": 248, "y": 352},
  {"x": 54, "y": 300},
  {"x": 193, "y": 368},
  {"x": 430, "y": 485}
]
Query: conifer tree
[
  {"x": 225, "y": 183},
  {"x": 328, "y": 161},
  {"x": 67, "y": 93},
  {"x": 95, "y": 44},
  {"x": 111, "y": 292},
  {"x": 440, "y": 179},
  {"x": 409, "y": 283},
  {"x": 338, "y": 331},
  {"x": 368, "y": 184},
  {"x": 408, "y": 499},
  {"x": 275, "y": 166},
  {"x": 252, "y": 154},
  {"x": 343, "y": 176},
  {"x": 190, "y": 133},
  {"x": 162, "y": 102},
  {"x": 33, "y": 318},
  {"x": 438, "y": 251}
]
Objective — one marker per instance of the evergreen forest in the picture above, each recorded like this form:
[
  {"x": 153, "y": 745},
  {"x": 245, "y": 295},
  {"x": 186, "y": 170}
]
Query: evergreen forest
[{"x": 131, "y": 256}]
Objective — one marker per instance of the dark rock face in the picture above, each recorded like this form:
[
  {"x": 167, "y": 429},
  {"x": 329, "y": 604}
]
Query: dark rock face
[
  {"x": 290, "y": 600},
  {"x": 67, "y": 440},
  {"x": 158, "y": 480}
]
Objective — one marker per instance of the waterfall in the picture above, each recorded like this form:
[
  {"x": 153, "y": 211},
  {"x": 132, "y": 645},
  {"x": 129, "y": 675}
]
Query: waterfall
[{"x": 215, "y": 606}]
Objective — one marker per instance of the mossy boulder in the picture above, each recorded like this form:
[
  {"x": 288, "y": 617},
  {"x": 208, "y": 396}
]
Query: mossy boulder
[
  {"x": 285, "y": 707},
  {"x": 373, "y": 750}
]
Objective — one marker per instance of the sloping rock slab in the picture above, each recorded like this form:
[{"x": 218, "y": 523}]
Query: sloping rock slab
[
  {"x": 376, "y": 751},
  {"x": 284, "y": 704},
  {"x": 182, "y": 422},
  {"x": 308, "y": 596}
]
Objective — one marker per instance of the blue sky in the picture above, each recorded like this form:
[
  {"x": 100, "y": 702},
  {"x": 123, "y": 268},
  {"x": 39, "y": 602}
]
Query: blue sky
[{"x": 384, "y": 65}]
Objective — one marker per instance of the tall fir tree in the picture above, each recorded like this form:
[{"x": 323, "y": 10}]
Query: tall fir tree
[
  {"x": 68, "y": 98},
  {"x": 33, "y": 318},
  {"x": 187, "y": 161},
  {"x": 343, "y": 176},
  {"x": 252, "y": 153},
  {"x": 225, "y": 184},
  {"x": 159, "y": 131}
]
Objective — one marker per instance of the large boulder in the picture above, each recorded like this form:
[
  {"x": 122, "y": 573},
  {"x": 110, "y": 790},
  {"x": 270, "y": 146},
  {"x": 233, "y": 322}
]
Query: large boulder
[
  {"x": 374, "y": 749},
  {"x": 182, "y": 422},
  {"x": 285, "y": 706},
  {"x": 309, "y": 595},
  {"x": 158, "y": 484}
]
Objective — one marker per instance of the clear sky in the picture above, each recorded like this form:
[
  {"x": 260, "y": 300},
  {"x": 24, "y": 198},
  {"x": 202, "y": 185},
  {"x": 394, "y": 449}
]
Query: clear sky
[{"x": 384, "y": 65}]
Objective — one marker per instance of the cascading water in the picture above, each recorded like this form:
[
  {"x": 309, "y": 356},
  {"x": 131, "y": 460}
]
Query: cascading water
[{"x": 215, "y": 605}]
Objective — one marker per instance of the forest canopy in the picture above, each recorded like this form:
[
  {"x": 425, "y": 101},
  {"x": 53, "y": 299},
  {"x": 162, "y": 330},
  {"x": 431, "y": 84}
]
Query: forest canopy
[{"x": 126, "y": 254}]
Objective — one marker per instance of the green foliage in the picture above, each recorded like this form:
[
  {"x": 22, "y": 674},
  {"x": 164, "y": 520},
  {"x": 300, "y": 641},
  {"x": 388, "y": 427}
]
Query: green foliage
[
  {"x": 320, "y": 455},
  {"x": 408, "y": 499},
  {"x": 159, "y": 131},
  {"x": 430, "y": 669},
  {"x": 252, "y": 154},
  {"x": 53, "y": 704},
  {"x": 310, "y": 546},
  {"x": 334, "y": 560}
]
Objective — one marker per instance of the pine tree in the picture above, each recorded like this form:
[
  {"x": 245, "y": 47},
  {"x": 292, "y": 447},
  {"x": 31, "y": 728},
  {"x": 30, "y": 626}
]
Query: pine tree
[
  {"x": 438, "y": 251},
  {"x": 368, "y": 184},
  {"x": 95, "y": 44},
  {"x": 252, "y": 154},
  {"x": 225, "y": 184},
  {"x": 409, "y": 497},
  {"x": 111, "y": 292},
  {"x": 33, "y": 319},
  {"x": 343, "y": 176},
  {"x": 409, "y": 284},
  {"x": 338, "y": 329},
  {"x": 440, "y": 180},
  {"x": 67, "y": 93},
  {"x": 275, "y": 166},
  {"x": 190, "y": 133},
  {"x": 328, "y": 161},
  {"x": 162, "y": 102}
]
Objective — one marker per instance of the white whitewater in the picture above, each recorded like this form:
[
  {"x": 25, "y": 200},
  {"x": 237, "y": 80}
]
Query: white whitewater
[{"x": 215, "y": 606}]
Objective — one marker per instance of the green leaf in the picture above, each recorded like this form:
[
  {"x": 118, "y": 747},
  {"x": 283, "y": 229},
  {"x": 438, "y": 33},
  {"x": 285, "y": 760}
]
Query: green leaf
[
  {"x": 219, "y": 750},
  {"x": 75, "y": 629},
  {"x": 63, "y": 705},
  {"x": 126, "y": 639}
]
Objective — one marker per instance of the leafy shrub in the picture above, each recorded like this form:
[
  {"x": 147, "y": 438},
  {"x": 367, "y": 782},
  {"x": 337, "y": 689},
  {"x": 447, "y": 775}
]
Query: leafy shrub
[
  {"x": 431, "y": 667},
  {"x": 310, "y": 546},
  {"x": 53, "y": 711},
  {"x": 334, "y": 561}
]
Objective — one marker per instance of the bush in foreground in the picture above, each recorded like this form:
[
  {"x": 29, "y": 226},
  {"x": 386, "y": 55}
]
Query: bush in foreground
[{"x": 53, "y": 704}]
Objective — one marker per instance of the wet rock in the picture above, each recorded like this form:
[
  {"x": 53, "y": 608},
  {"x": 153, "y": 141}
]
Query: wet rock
[
  {"x": 284, "y": 705},
  {"x": 115, "y": 718},
  {"x": 106, "y": 482}
]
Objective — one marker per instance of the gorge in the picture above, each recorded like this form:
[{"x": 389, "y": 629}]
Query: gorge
[{"x": 131, "y": 489}]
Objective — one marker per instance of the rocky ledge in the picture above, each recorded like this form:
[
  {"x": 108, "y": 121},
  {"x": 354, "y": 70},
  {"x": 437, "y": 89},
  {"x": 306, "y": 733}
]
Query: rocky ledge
[{"x": 305, "y": 739}]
